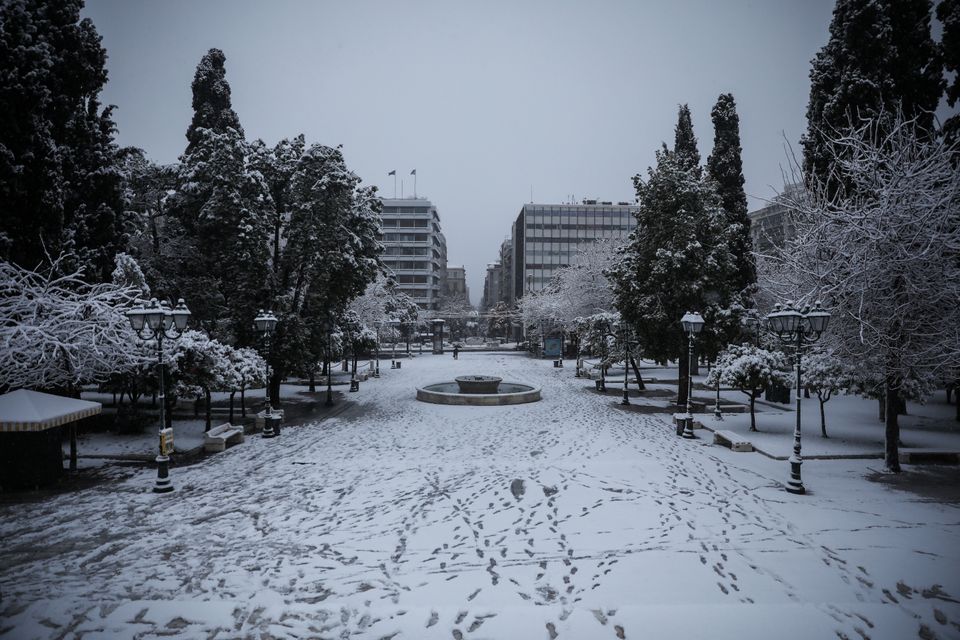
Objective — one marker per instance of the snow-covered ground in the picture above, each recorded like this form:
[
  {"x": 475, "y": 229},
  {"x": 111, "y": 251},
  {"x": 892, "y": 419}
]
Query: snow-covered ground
[{"x": 567, "y": 518}]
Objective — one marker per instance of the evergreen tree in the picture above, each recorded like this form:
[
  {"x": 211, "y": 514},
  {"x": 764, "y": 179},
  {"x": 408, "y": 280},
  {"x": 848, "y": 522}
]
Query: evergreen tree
[
  {"x": 725, "y": 166},
  {"x": 880, "y": 58},
  {"x": 677, "y": 259},
  {"x": 331, "y": 255},
  {"x": 948, "y": 13},
  {"x": 59, "y": 181},
  {"x": 685, "y": 143},
  {"x": 211, "y": 99},
  {"x": 223, "y": 214}
]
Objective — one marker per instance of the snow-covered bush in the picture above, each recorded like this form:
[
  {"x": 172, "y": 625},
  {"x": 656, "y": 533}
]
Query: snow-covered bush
[{"x": 750, "y": 369}]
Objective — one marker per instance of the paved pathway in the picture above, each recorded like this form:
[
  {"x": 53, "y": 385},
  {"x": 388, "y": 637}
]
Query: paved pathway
[{"x": 568, "y": 518}]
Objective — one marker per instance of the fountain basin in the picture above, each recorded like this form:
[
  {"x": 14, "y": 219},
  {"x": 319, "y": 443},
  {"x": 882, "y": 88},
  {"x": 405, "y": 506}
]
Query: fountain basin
[
  {"x": 507, "y": 393},
  {"x": 478, "y": 384}
]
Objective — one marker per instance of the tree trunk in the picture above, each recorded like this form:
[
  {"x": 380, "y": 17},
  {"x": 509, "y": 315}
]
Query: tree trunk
[
  {"x": 636, "y": 372},
  {"x": 243, "y": 403},
  {"x": 313, "y": 381},
  {"x": 806, "y": 392},
  {"x": 753, "y": 413},
  {"x": 206, "y": 394},
  {"x": 892, "y": 430},
  {"x": 696, "y": 361},
  {"x": 232, "y": 393},
  {"x": 883, "y": 407},
  {"x": 823, "y": 419}
]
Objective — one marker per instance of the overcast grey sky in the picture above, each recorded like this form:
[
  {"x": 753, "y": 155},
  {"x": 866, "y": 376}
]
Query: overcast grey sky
[{"x": 485, "y": 99}]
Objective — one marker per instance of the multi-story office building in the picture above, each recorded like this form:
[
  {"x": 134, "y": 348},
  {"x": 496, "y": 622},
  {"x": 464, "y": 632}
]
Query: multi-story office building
[
  {"x": 771, "y": 227},
  {"x": 415, "y": 249},
  {"x": 505, "y": 292},
  {"x": 491, "y": 286},
  {"x": 456, "y": 284},
  {"x": 547, "y": 237}
]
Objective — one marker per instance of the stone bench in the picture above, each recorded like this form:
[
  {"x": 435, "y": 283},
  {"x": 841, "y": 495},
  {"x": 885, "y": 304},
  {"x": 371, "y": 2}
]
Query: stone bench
[
  {"x": 217, "y": 438},
  {"x": 732, "y": 440}
]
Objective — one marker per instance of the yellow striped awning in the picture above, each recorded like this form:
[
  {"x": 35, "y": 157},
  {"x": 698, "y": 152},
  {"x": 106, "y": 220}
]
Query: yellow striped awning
[{"x": 24, "y": 410}]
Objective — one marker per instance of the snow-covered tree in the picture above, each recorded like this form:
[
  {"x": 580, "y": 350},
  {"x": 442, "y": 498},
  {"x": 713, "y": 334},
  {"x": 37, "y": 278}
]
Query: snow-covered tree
[
  {"x": 200, "y": 365},
  {"x": 885, "y": 259},
  {"x": 499, "y": 320},
  {"x": 948, "y": 13},
  {"x": 678, "y": 258},
  {"x": 331, "y": 255},
  {"x": 224, "y": 209},
  {"x": 212, "y": 108},
  {"x": 725, "y": 166},
  {"x": 880, "y": 57},
  {"x": 751, "y": 370},
  {"x": 59, "y": 332},
  {"x": 685, "y": 142},
  {"x": 827, "y": 375},
  {"x": 59, "y": 179},
  {"x": 247, "y": 370}
]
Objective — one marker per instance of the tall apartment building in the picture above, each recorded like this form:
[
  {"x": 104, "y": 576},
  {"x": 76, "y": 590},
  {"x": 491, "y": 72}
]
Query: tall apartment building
[
  {"x": 491, "y": 286},
  {"x": 771, "y": 226},
  {"x": 457, "y": 282},
  {"x": 505, "y": 289},
  {"x": 415, "y": 248},
  {"x": 547, "y": 237}
]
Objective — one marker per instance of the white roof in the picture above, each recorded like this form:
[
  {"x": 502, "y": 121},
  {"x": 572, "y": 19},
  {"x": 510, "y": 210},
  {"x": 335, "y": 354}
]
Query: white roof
[{"x": 24, "y": 410}]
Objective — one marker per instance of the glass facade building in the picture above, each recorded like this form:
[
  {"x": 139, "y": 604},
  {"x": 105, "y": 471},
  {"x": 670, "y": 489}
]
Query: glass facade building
[
  {"x": 546, "y": 237},
  {"x": 415, "y": 249}
]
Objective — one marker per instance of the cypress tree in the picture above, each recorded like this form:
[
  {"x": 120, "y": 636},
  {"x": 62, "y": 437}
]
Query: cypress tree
[
  {"x": 60, "y": 184},
  {"x": 685, "y": 142},
  {"x": 948, "y": 13},
  {"x": 879, "y": 58},
  {"x": 725, "y": 167},
  {"x": 211, "y": 99},
  {"x": 916, "y": 65}
]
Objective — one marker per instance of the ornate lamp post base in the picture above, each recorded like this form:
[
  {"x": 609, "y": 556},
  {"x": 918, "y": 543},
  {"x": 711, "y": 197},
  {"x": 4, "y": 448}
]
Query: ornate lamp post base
[
  {"x": 163, "y": 484},
  {"x": 795, "y": 484},
  {"x": 688, "y": 428}
]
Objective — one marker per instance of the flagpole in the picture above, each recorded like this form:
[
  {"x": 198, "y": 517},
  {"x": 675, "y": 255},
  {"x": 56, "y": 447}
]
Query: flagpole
[{"x": 394, "y": 185}]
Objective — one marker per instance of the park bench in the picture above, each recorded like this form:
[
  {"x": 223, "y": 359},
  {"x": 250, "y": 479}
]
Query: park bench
[
  {"x": 217, "y": 438},
  {"x": 733, "y": 440}
]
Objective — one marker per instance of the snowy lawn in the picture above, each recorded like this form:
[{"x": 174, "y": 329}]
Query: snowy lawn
[{"x": 566, "y": 518}]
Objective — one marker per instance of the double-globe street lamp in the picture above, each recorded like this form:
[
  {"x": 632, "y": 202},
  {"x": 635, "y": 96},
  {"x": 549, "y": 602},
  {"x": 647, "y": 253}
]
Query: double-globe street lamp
[
  {"x": 692, "y": 325},
  {"x": 156, "y": 321},
  {"x": 797, "y": 328},
  {"x": 266, "y": 323}
]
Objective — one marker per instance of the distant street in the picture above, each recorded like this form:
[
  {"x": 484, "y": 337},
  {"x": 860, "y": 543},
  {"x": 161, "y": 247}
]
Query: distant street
[{"x": 568, "y": 518}]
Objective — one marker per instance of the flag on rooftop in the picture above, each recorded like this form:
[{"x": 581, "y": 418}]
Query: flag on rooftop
[
  {"x": 392, "y": 173},
  {"x": 414, "y": 172}
]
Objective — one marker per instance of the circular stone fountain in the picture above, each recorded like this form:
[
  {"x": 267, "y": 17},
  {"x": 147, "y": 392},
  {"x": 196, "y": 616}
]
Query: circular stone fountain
[{"x": 478, "y": 391}]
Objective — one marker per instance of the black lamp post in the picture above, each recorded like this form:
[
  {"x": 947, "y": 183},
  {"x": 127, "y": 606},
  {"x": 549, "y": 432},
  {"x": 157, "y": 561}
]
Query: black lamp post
[
  {"x": 394, "y": 323},
  {"x": 797, "y": 328},
  {"x": 376, "y": 369},
  {"x": 266, "y": 323},
  {"x": 692, "y": 325},
  {"x": 157, "y": 321}
]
